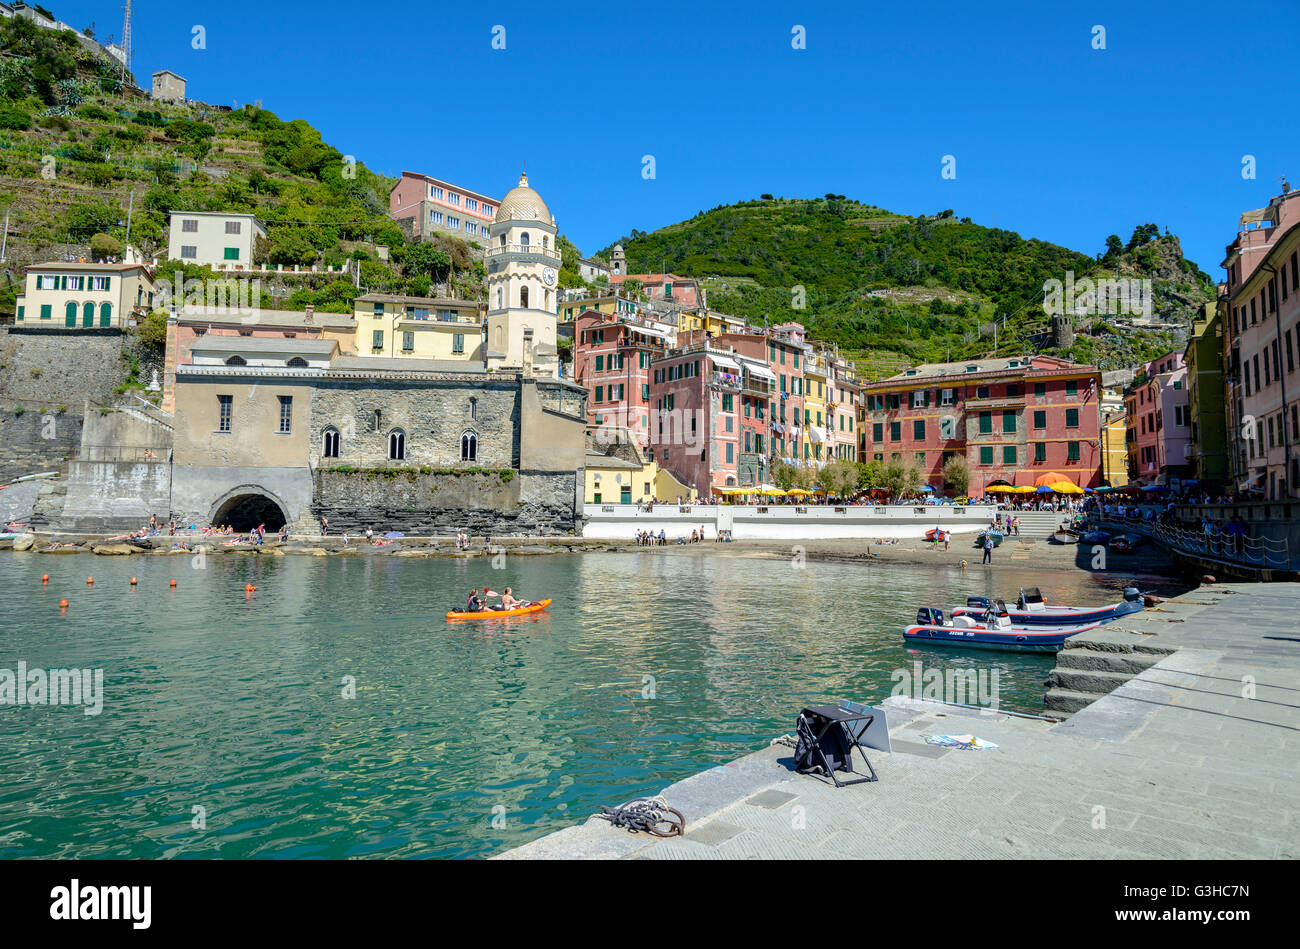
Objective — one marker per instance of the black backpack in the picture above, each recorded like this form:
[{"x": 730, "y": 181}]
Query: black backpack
[{"x": 833, "y": 744}]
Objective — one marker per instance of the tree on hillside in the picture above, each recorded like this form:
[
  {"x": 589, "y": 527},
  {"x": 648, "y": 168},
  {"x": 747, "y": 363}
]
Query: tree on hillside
[
  {"x": 1143, "y": 234},
  {"x": 425, "y": 258},
  {"x": 1114, "y": 247}
]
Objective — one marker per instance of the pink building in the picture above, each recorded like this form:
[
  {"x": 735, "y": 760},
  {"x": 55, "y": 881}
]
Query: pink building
[
  {"x": 709, "y": 420},
  {"x": 1158, "y": 421},
  {"x": 438, "y": 206},
  {"x": 611, "y": 357},
  {"x": 1261, "y": 347},
  {"x": 664, "y": 286}
]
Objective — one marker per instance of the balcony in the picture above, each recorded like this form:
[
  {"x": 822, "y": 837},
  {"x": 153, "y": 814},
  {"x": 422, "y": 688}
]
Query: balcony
[{"x": 533, "y": 250}]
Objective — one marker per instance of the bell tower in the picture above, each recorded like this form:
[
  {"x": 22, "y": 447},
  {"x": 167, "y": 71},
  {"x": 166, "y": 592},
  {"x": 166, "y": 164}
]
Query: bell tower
[{"x": 523, "y": 266}]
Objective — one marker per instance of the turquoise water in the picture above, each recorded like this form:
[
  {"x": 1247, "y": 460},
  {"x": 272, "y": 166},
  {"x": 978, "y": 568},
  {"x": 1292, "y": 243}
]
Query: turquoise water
[{"x": 235, "y": 704}]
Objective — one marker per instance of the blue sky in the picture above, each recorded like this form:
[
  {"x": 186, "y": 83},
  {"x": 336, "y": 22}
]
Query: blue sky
[{"x": 1052, "y": 138}]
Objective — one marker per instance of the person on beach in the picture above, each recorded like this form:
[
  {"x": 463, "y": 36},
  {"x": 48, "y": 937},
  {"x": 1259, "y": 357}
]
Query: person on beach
[
  {"x": 324, "y": 526},
  {"x": 370, "y": 535},
  {"x": 988, "y": 549}
]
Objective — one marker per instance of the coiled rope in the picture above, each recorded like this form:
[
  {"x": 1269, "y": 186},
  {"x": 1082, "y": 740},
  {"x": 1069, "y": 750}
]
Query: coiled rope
[{"x": 652, "y": 815}]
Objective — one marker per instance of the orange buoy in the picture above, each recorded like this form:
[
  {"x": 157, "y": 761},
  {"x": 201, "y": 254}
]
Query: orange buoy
[
  {"x": 133, "y": 581},
  {"x": 45, "y": 578},
  {"x": 173, "y": 583},
  {"x": 90, "y": 580},
  {"x": 63, "y": 604},
  {"x": 249, "y": 588}
]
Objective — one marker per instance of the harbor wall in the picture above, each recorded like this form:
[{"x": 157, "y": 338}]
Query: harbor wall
[{"x": 784, "y": 522}]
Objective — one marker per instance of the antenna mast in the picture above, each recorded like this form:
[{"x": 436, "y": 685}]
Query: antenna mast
[{"x": 126, "y": 42}]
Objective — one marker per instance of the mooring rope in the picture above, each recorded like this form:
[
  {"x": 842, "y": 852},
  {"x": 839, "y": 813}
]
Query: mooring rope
[{"x": 646, "y": 814}]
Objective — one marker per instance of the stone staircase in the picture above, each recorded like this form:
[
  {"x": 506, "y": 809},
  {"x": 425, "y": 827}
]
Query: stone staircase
[
  {"x": 1038, "y": 524},
  {"x": 1094, "y": 664}
]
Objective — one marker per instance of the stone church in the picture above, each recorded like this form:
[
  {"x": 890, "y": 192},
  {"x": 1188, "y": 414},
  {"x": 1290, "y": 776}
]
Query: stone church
[{"x": 272, "y": 429}]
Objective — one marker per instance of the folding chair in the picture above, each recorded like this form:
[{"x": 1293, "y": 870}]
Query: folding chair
[{"x": 826, "y": 742}]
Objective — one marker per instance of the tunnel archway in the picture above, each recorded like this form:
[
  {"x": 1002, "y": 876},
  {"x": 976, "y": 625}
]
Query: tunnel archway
[{"x": 245, "y": 510}]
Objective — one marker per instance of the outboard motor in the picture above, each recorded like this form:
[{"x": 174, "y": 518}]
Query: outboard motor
[
  {"x": 923, "y": 616},
  {"x": 1132, "y": 594},
  {"x": 979, "y": 603}
]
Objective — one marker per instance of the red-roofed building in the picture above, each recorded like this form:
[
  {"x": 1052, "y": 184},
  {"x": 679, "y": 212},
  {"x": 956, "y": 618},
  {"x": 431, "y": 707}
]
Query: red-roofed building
[{"x": 1011, "y": 419}]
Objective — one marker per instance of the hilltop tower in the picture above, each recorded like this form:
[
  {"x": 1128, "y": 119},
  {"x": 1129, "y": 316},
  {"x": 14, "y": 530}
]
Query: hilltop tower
[
  {"x": 617, "y": 261},
  {"x": 523, "y": 264},
  {"x": 1062, "y": 331}
]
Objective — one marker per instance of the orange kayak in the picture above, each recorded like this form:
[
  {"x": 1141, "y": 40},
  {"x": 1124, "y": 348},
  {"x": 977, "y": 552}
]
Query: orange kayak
[{"x": 497, "y": 614}]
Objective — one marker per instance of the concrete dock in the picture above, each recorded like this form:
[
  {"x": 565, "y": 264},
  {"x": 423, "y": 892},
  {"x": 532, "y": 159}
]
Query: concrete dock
[{"x": 1195, "y": 754}]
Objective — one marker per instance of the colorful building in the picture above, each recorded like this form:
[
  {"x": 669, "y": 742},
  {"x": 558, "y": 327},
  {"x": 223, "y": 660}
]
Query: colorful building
[
  {"x": 1261, "y": 337},
  {"x": 221, "y": 240},
  {"x": 59, "y": 295},
  {"x": 431, "y": 328},
  {"x": 1009, "y": 419},
  {"x": 1159, "y": 422},
  {"x": 612, "y": 356},
  {"x": 1114, "y": 450},
  {"x": 1203, "y": 356},
  {"x": 440, "y": 207},
  {"x": 709, "y": 402}
]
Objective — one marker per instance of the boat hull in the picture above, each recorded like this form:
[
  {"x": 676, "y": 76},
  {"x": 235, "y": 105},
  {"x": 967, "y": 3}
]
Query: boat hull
[
  {"x": 1007, "y": 640},
  {"x": 501, "y": 614},
  {"x": 1061, "y": 616}
]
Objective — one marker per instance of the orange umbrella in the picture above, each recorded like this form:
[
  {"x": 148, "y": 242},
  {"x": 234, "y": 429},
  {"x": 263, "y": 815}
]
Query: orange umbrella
[{"x": 1051, "y": 478}]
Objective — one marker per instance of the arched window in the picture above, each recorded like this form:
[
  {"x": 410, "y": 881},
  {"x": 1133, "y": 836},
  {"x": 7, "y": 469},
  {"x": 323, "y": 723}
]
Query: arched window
[
  {"x": 329, "y": 443},
  {"x": 523, "y": 297},
  {"x": 523, "y": 240},
  {"x": 545, "y": 242},
  {"x": 502, "y": 240},
  {"x": 105, "y": 314},
  {"x": 397, "y": 445},
  {"x": 297, "y": 362},
  {"x": 499, "y": 338},
  {"x": 88, "y": 314},
  {"x": 469, "y": 447},
  {"x": 501, "y": 305},
  {"x": 236, "y": 361}
]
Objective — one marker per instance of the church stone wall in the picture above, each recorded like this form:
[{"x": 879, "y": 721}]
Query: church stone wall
[
  {"x": 433, "y": 414},
  {"x": 425, "y": 501}
]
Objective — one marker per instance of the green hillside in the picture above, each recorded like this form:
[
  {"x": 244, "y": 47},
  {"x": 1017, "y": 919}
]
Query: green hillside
[
  {"x": 80, "y": 155},
  {"x": 889, "y": 289}
]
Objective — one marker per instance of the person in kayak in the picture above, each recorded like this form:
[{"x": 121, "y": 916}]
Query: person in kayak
[
  {"x": 473, "y": 604},
  {"x": 508, "y": 601}
]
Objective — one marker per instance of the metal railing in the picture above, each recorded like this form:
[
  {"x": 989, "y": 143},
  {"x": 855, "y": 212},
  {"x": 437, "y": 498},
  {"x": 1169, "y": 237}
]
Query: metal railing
[
  {"x": 498, "y": 249},
  {"x": 1233, "y": 549}
]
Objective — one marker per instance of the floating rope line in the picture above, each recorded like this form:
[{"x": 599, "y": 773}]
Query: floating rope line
[{"x": 651, "y": 815}]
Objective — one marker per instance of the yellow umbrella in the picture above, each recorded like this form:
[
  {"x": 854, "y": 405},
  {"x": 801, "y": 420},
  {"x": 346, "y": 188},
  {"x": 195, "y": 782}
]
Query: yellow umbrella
[
  {"x": 1066, "y": 487},
  {"x": 998, "y": 489},
  {"x": 776, "y": 493},
  {"x": 798, "y": 492},
  {"x": 729, "y": 490},
  {"x": 1023, "y": 489}
]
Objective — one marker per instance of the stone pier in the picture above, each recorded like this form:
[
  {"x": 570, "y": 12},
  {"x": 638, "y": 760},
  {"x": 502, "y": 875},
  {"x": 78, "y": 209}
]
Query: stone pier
[{"x": 1192, "y": 755}]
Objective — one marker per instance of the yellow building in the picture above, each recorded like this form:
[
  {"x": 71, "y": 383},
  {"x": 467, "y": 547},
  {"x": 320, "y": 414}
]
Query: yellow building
[
  {"x": 100, "y": 296},
  {"x": 626, "y": 476},
  {"x": 711, "y": 321},
  {"x": 437, "y": 328},
  {"x": 816, "y": 386},
  {"x": 1114, "y": 451},
  {"x": 611, "y": 303}
]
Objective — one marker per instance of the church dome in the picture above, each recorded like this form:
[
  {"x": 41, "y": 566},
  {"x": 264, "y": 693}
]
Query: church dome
[{"x": 522, "y": 203}]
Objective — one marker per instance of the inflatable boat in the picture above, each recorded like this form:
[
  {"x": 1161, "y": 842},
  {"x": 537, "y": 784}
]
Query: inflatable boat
[
  {"x": 1030, "y": 610},
  {"x": 994, "y": 630}
]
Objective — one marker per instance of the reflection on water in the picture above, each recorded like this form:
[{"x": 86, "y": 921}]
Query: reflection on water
[{"x": 647, "y": 668}]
